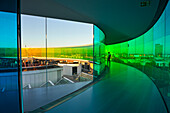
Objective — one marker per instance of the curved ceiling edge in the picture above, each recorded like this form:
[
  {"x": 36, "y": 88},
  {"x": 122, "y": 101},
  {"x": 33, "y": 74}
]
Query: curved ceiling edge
[
  {"x": 161, "y": 6},
  {"x": 120, "y": 20}
]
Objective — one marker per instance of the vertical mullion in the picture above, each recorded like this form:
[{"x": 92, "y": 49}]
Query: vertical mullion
[
  {"x": 46, "y": 50},
  {"x": 19, "y": 56}
]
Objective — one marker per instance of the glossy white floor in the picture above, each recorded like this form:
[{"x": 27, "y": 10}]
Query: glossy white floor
[{"x": 123, "y": 90}]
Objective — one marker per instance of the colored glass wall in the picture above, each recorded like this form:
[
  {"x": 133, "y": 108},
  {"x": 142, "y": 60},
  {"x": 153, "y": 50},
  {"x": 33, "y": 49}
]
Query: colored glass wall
[
  {"x": 99, "y": 51},
  {"x": 80, "y": 52},
  {"x": 56, "y": 55},
  {"x": 9, "y": 71},
  {"x": 149, "y": 53}
]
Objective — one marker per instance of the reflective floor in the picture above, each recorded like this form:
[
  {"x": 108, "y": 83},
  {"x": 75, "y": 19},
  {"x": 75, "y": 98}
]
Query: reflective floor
[
  {"x": 123, "y": 90},
  {"x": 38, "y": 97}
]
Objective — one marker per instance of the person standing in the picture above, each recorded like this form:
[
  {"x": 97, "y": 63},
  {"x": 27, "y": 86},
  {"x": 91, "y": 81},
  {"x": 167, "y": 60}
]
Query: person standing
[{"x": 108, "y": 59}]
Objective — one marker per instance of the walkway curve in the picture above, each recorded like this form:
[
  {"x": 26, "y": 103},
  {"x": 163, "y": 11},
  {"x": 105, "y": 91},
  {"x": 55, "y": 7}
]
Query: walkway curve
[{"x": 124, "y": 89}]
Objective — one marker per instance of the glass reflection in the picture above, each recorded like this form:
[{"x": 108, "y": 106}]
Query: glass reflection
[
  {"x": 9, "y": 91},
  {"x": 149, "y": 53},
  {"x": 99, "y": 51},
  {"x": 56, "y": 55}
]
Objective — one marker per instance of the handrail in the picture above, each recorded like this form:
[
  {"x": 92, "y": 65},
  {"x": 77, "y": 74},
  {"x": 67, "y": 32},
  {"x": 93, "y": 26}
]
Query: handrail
[
  {"x": 78, "y": 76},
  {"x": 68, "y": 80},
  {"x": 49, "y": 81},
  {"x": 28, "y": 85},
  {"x": 59, "y": 81}
]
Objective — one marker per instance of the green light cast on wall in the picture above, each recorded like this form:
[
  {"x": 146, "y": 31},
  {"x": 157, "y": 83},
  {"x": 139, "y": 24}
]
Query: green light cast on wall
[
  {"x": 99, "y": 51},
  {"x": 149, "y": 53}
]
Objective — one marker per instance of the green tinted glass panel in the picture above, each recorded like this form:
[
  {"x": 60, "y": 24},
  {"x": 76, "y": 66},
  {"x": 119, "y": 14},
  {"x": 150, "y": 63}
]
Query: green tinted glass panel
[
  {"x": 99, "y": 51},
  {"x": 149, "y": 53}
]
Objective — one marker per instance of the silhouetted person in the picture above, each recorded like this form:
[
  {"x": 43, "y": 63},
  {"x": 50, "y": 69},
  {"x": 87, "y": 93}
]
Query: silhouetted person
[{"x": 108, "y": 59}]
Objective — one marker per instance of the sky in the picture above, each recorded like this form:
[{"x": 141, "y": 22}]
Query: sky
[
  {"x": 63, "y": 33},
  {"x": 60, "y": 33},
  {"x": 8, "y": 32}
]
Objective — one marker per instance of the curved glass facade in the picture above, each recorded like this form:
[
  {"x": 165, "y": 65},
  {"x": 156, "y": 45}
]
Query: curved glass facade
[
  {"x": 99, "y": 51},
  {"x": 10, "y": 101},
  {"x": 149, "y": 53},
  {"x": 57, "y": 53}
]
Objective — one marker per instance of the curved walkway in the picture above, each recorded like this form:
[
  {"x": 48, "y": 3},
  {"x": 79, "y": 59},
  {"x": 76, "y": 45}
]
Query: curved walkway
[{"x": 123, "y": 90}]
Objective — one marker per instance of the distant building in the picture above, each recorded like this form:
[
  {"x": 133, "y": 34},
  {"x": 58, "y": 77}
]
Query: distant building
[{"x": 158, "y": 50}]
